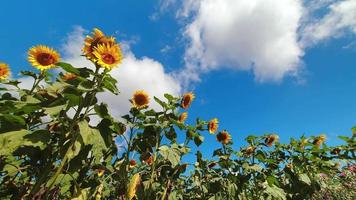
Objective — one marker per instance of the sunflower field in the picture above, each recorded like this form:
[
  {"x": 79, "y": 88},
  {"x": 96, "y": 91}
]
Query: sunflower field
[{"x": 58, "y": 141}]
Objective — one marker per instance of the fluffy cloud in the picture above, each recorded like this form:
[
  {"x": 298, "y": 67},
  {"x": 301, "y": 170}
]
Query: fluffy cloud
[
  {"x": 247, "y": 35},
  {"x": 267, "y": 37},
  {"x": 133, "y": 74},
  {"x": 340, "y": 18}
]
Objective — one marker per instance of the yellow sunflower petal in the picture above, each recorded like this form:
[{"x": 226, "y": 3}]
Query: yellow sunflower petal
[
  {"x": 133, "y": 185},
  {"x": 140, "y": 99},
  {"x": 187, "y": 100},
  {"x": 107, "y": 56},
  {"x": 224, "y": 137},
  {"x": 183, "y": 117},
  {"x": 92, "y": 41},
  {"x": 43, "y": 57},
  {"x": 213, "y": 125},
  {"x": 4, "y": 71}
]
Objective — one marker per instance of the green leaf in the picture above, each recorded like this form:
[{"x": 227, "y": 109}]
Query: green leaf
[
  {"x": 102, "y": 110},
  {"x": 163, "y": 104},
  {"x": 56, "y": 88},
  {"x": 9, "y": 122},
  {"x": 275, "y": 192},
  {"x": 109, "y": 83},
  {"x": 38, "y": 138},
  {"x": 68, "y": 68},
  {"x": 29, "y": 73},
  {"x": 13, "y": 119},
  {"x": 92, "y": 137},
  {"x": 10, "y": 141},
  {"x": 345, "y": 138},
  {"x": 254, "y": 168},
  {"x": 85, "y": 131},
  {"x": 271, "y": 180},
  {"x": 86, "y": 86},
  {"x": 82, "y": 194},
  {"x": 12, "y": 82},
  {"x": 55, "y": 110},
  {"x": 304, "y": 178},
  {"x": 169, "y": 97},
  {"x": 198, "y": 140},
  {"x": 73, "y": 100},
  {"x": 74, "y": 150},
  {"x": 171, "y": 154}
]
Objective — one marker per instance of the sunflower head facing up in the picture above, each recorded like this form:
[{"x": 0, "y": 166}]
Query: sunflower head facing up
[
  {"x": 224, "y": 137},
  {"x": 249, "y": 150},
  {"x": 318, "y": 141},
  {"x": 271, "y": 139},
  {"x": 43, "y": 57},
  {"x": 4, "y": 71},
  {"x": 101, "y": 172},
  {"x": 187, "y": 100},
  {"x": 213, "y": 125},
  {"x": 107, "y": 56},
  {"x": 140, "y": 99},
  {"x": 183, "y": 117},
  {"x": 92, "y": 41}
]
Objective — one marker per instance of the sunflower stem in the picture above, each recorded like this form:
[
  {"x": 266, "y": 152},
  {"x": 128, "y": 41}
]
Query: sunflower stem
[{"x": 36, "y": 82}]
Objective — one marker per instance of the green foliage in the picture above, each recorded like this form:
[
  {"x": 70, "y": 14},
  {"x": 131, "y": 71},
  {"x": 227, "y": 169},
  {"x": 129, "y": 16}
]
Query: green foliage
[{"x": 57, "y": 141}]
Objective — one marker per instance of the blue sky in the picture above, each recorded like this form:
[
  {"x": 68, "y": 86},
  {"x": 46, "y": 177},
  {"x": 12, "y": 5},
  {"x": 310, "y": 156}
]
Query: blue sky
[{"x": 319, "y": 99}]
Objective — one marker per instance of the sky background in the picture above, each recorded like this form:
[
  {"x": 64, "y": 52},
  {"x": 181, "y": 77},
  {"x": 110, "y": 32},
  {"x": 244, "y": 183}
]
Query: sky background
[{"x": 281, "y": 66}]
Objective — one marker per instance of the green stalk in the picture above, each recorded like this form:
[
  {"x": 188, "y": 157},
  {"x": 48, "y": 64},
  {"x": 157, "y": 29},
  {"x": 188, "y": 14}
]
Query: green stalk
[
  {"x": 74, "y": 122},
  {"x": 36, "y": 82}
]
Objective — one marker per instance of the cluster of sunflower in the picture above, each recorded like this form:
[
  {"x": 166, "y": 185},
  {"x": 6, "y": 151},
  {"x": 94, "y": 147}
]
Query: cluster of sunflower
[
  {"x": 102, "y": 50},
  {"x": 50, "y": 146}
]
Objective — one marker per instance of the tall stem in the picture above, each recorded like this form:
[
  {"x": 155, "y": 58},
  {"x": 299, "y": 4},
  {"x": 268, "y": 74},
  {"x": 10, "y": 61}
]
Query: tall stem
[
  {"x": 90, "y": 95},
  {"x": 36, "y": 82}
]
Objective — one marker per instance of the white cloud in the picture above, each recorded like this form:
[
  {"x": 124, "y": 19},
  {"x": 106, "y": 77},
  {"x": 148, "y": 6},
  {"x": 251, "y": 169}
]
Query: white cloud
[
  {"x": 257, "y": 35},
  {"x": 133, "y": 74},
  {"x": 162, "y": 7},
  {"x": 267, "y": 37},
  {"x": 340, "y": 19}
]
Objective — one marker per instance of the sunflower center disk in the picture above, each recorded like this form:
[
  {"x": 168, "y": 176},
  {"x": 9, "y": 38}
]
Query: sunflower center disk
[
  {"x": 2, "y": 71},
  {"x": 140, "y": 100},
  {"x": 108, "y": 59},
  {"x": 45, "y": 59}
]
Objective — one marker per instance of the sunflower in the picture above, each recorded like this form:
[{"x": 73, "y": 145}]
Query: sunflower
[
  {"x": 212, "y": 164},
  {"x": 213, "y": 125},
  {"x": 187, "y": 100},
  {"x": 224, "y": 137},
  {"x": 140, "y": 99},
  {"x": 4, "y": 71},
  {"x": 336, "y": 151},
  {"x": 270, "y": 139},
  {"x": 132, "y": 163},
  {"x": 69, "y": 76},
  {"x": 133, "y": 186},
  {"x": 249, "y": 150},
  {"x": 101, "y": 172},
  {"x": 107, "y": 56},
  {"x": 289, "y": 166},
  {"x": 147, "y": 158},
  {"x": 319, "y": 140},
  {"x": 183, "y": 117},
  {"x": 93, "y": 41},
  {"x": 43, "y": 57}
]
